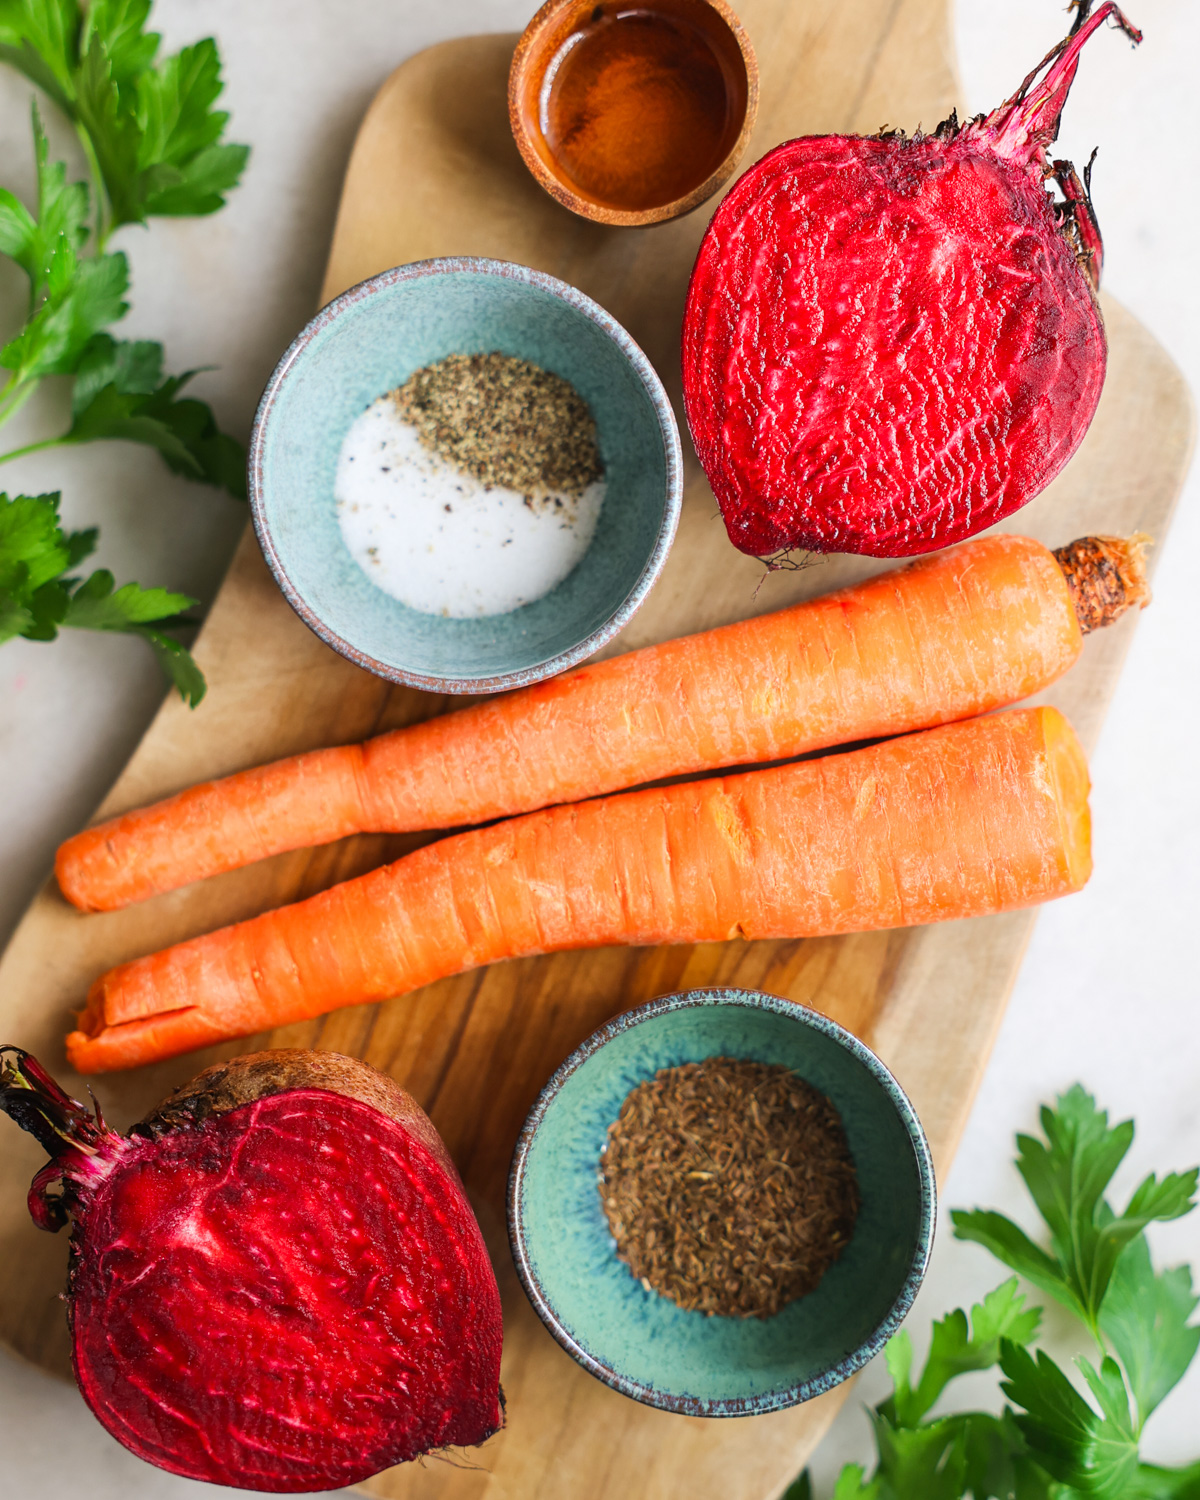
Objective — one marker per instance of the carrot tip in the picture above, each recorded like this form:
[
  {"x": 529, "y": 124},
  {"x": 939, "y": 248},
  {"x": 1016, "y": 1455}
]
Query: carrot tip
[{"x": 1106, "y": 577}]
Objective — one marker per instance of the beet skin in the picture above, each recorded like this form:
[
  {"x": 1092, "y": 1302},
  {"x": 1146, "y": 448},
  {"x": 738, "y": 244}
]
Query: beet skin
[
  {"x": 891, "y": 343},
  {"x": 276, "y": 1279}
]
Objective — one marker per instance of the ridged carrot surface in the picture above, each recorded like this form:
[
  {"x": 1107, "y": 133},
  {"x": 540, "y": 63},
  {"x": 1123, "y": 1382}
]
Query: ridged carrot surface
[
  {"x": 959, "y": 634},
  {"x": 971, "y": 818}
]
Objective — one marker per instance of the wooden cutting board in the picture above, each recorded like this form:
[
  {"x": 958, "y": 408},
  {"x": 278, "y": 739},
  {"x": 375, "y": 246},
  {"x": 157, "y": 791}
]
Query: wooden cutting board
[{"x": 435, "y": 172}]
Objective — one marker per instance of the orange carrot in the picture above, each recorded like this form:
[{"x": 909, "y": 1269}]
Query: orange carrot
[
  {"x": 971, "y": 818},
  {"x": 948, "y": 637}
]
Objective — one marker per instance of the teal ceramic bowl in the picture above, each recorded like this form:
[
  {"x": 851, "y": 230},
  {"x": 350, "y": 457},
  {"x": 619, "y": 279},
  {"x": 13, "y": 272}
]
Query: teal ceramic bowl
[
  {"x": 640, "y": 1342},
  {"x": 370, "y": 340}
]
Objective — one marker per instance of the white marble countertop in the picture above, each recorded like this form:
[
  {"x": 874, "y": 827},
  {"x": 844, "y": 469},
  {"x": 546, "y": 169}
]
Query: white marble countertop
[{"x": 1109, "y": 991}]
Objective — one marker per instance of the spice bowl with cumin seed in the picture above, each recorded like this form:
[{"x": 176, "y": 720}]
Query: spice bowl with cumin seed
[
  {"x": 465, "y": 475},
  {"x": 722, "y": 1203}
]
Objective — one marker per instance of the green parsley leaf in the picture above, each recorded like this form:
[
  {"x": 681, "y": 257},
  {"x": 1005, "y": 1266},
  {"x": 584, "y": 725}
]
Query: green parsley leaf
[
  {"x": 1002, "y": 1315},
  {"x": 996, "y": 1462},
  {"x": 1097, "y": 1454},
  {"x": 1145, "y": 1318},
  {"x": 799, "y": 1489},
  {"x": 70, "y": 298},
  {"x": 1057, "y": 1444},
  {"x": 1154, "y": 1483},
  {"x": 155, "y": 139},
  {"x": 1031, "y": 1482},
  {"x": 953, "y": 1351},
  {"x": 120, "y": 394},
  {"x": 95, "y": 606},
  {"x": 156, "y": 135},
  {"x": 34, "y": 551},
  {"x": 106, "y": 116},
  {"x": 121, "y": 24},
  {"x": 15, "y": 618},
  {"x": 33, "y": 548},
  {"x": 40, "y": 38},
  {"x": 1107, "y": 1384},
  {"x": 150, "y": 125},
  {"x": 81, "y": 297},
  {"x": 62, "y": 213},
  {"x": 1171, "y": 1198},
  {"x": 176, "y": 663},
  {"x": 17, "y": 230},
  {"x": 36, "y": 599},
  {"x": 175, "y": 106},
  {"x": 973, "y": 1453},
  {"x": 929, "y": 1461},
  {"x": 898, "y": 1357},
  {"x": 1012, "y": 1245},
  {"x": 132, "y": 367},
  {"x": 200, "y": 185},
  {"x": 1067, "y": 1175},
  {"x": 851, "y": 1485}
]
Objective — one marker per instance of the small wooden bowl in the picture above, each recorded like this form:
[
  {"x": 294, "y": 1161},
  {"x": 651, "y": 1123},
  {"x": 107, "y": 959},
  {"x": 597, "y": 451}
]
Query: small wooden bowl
[{"x": 612, "y": 194}]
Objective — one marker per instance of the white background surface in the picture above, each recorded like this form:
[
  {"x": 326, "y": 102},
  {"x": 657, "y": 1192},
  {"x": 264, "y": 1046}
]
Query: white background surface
[{"x": 1108, "y": 993}]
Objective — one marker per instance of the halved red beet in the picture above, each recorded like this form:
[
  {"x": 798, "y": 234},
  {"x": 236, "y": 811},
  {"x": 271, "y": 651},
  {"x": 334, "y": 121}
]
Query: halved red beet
[
  {"x": 891, "y": 342},
  {"x": 276, "y": 1279}
]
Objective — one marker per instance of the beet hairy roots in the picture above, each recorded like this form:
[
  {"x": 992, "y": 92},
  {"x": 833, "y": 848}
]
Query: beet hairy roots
[
  {"x": 890, "y": 343},
  {"x": 276, "y": 1280}
]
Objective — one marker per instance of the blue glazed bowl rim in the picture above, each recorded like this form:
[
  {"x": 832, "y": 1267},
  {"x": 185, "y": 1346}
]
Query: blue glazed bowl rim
[
  {"x": 668, "y": 428},
  {"x": 832, "y": 1375}
]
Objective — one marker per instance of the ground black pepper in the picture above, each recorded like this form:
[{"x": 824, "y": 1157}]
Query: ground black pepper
[
  {"x": 506, "y": 422},
  {"x": 728, "y": 1186}
]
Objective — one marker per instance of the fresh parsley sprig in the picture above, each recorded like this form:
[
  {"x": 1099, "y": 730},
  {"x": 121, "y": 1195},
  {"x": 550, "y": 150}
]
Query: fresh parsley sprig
[
  {"x": 120, "y": 391},
  {"x": 1066, "y": 1176},
  {"x": 152, "y": 139},
  {"x": 1051, "y": 1442},
  {"x": 39, "y": 594},
  {"x": 151, "y": 134}
]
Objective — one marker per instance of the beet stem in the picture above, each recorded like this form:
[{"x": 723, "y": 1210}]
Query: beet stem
[
  {"x": 1027, "y": 124},
  {"x": 80, "y": 1146},
  {"x": 1079, "y": 217}
]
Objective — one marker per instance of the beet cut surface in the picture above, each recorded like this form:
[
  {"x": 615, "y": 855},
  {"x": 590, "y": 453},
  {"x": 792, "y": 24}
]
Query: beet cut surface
[
  {"x": 891, "y": 343},
  {"x": 273, "y": 1285}
]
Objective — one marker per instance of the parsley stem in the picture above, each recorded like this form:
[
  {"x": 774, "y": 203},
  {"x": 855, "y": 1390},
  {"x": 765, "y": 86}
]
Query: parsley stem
[
  {"x": 14, "y": 397},
  {"x": 99, "y": 192},
  {"x": 31, "y": 448}
]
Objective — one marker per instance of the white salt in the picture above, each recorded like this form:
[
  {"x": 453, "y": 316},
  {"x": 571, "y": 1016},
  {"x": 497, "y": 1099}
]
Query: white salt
[{"x": 441, "y": 541}]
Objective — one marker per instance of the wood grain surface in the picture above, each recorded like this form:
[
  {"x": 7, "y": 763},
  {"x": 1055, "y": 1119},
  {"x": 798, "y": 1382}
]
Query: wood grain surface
[{"x": 434, "y": 172}]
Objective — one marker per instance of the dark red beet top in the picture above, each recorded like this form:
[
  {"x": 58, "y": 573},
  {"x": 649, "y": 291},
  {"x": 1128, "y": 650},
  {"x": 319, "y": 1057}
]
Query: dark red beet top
[
  {"x": 892, "y": 343},
  {"x": 289, "y": 1296}
]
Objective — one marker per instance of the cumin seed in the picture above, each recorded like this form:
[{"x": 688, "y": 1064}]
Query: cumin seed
[{"x": 728, "y": 1186}]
